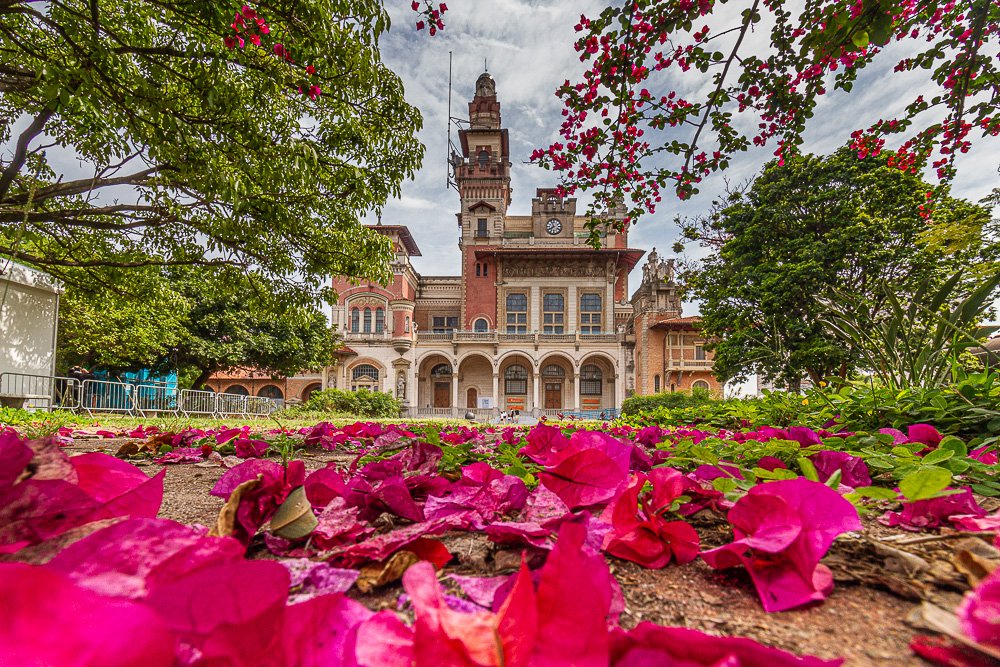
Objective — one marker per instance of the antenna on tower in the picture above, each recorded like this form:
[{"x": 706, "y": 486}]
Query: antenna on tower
[{"x": 454, "y": 157}]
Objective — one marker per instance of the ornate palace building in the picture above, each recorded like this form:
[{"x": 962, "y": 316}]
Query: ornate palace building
[{"x": 538, "y": 321}]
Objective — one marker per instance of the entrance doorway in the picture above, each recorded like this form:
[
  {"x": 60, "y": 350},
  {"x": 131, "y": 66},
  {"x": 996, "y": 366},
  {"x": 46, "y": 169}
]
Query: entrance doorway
[
  {"x": 553, "y": 395},
  {"x": 442, "y": 394},
  {"x": 472, "y": 397}
]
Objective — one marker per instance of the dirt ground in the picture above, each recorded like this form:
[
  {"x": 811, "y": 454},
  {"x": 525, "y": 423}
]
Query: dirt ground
[{"x": 881, "y": 577}]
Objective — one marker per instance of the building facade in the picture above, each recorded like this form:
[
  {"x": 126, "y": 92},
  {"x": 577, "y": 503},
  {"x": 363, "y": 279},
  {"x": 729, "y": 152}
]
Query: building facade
[{"x": 538, "y": 321}]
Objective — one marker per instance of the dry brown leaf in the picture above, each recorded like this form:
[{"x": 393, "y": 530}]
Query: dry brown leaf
[
  {"x": 380, "y": 574},
  {"x": 973, "y": 564},
  {"x": 225, "y": 525}
]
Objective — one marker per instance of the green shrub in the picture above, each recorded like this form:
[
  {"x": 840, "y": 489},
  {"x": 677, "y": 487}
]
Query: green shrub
[
  {"x": 362, "y": 403},
  {"x": 968, "y": 408},
  {"x": 669, "y": 399}
]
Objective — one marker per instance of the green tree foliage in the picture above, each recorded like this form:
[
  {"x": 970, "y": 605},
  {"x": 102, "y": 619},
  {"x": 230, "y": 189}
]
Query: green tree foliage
[
  {"x": 194, "y": 150},
  {"x": 362, "y": 403},
  {"x": 197, "y": 321},
  {"x": 801, "y": 232}
]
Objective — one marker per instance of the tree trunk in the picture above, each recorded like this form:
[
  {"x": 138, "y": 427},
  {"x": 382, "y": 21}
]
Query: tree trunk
[{"x": 202, "y": 378}]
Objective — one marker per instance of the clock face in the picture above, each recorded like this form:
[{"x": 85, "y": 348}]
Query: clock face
[{"x": 553, "y": 226}]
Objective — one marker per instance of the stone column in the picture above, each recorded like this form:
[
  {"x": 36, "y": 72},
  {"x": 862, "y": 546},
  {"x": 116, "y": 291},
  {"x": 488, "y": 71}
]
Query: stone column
[
  {"x": 496, "y": 391},
  {"x": 454, "y": 394},
  {"x": 535, "y": 380},
  {"x": 576, "y": 386}
]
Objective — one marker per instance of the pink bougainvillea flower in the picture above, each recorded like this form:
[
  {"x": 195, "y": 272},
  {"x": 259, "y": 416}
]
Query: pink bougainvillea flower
[
  {"x": 339, "y": 526},
  {"x": 639, "y": 531},
  {"x": 853, "y": 470},
  {"x": 933, "y": 512},
  {"x": 14, "y": 456},
  {"x": 247, "y": 448},
  {"x": 33, "y": 511},
  {"x": 46, "y": 619},
  {"x": 310, "y": 578},
  {"x": 924, "y": 433},
  {"x": 804, "y": 435},
  {"x": 782, "y": 529},
  {"x": 976, "y": 523},
  {"x": 898, "y": 437},
  {"x": 986, "y": 454},
  {"x": 650, "y": 645},
  {"x": 483, "y": 493},
  {"x": 126, "y": 558},
  {"x": 257, "y": 505},
  {"x": 651, "y": 435},
  {"x": 589, "y": 471},
  {"x": 559, "y": 624},
  {"x": 380, "y": 547},
  {"x": 322, "y": 631},
  {"x": 182, "y": 455},
  {"x": 543, "y": 443},
  {"x": 979, "y": 612},
  {"x": 226, "y": 612},
  {"x": 121, "y": 487}
]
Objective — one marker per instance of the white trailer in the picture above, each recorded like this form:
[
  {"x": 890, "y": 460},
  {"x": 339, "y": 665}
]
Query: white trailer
[{"x": 29, "y": 324}]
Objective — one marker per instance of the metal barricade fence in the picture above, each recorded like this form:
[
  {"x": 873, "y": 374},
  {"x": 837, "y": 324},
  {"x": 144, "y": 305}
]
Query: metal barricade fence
[
  {"x": 231, "y": 405},
  {"x": 155, "y": 398},
  {"x": 260, "y": 406},
  {"x": 107, "y": 396},
  {"x": 196, "y": 402}
]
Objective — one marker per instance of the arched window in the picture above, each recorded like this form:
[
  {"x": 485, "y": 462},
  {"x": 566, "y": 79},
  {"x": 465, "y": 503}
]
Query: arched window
[
  {"x": 553, "y": 371},
  {"x": 478, "y": 270},
  {"x": 368, "y": 320},
  {"x": 656, "y": 384},
  {"x": 355, "y": 320},
  {"x": 591, "y": 313},
  {"x": 517, "y": 313},
  {"x": 486, "y": 270},
  {"x": 590, "y": 380},
  {"x": 270, "y": 391},
  {"x": 237, "y": 389},
  {"x": 700, "y": 384},
  {"x": 406, "y": 325},
  {"x": 515, "y": 380},
  {"x": 379, "y": 320},
  {"x": 480, "y": 325},
  {"x": 364, "y": 376},
  {"x": 484, "y": 158}
]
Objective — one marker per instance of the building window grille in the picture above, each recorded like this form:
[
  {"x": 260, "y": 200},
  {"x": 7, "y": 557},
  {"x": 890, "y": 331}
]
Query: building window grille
[
  {"x": 479, "y": 270},
  {"x": 481, "y": 326},
  {"x": 590, "y": 380},
  {"x": 484, "y": 158},
  {"x": 591, "y": 314},
  {"x": 553, "y": 314},
  {"x": 553, "y": 371},
  {"x": 699, "y": 384},
  {"x": 368, "y": 320},
  {"x": 355, "y": 320},
  {"x": 379, "y": 320},
  {"x": 406, "y": 325},
  {"x": 441, "y": 370},
  {"x": 517, "y": 313},
  {"x": 515, "y": 380},
  {"x": 481, "y": 229},
  {"x": 699, "y": 352},
  {"x": 656, "y": 384},
  {"x": 364, "y": 376}
]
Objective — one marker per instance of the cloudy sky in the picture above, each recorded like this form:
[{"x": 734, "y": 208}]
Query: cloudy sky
[{"x": 528, "y": 46}]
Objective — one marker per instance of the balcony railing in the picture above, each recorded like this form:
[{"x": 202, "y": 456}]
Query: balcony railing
[
  {"x": 369, "y": 335},
  {"x": 494, "y": 337},
  {"x": 688, "y": 364}
]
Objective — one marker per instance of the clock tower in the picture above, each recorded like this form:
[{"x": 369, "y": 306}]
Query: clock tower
[{"x": 482, "y": 176}]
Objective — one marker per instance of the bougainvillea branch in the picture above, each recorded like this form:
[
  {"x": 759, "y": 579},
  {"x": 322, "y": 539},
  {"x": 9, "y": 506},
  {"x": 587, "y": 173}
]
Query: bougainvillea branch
[{"x": 630, "y": 129}]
